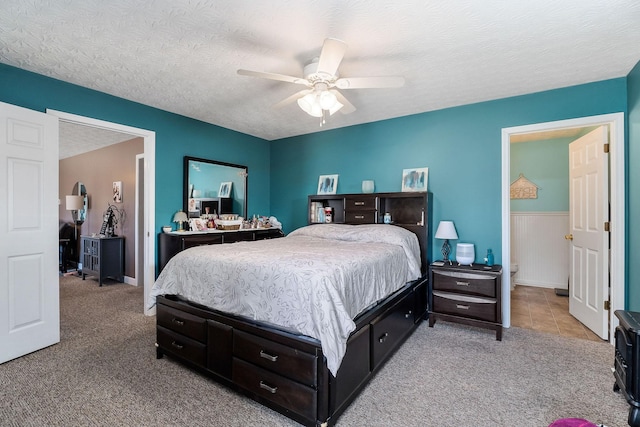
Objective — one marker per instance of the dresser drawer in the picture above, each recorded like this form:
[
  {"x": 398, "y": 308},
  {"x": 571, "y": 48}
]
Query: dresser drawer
[
  {"x": 465, "y": 306},
  {"x": 360, "y": 217},
  {"x": 465, "y": 283},
  {"x": 387, "y": 331},
  {"x": 185, "y": 324},
  {"x": 276, "y": 388},
  {"x": 205, "y": 239},
  {"x": 179, "y": 345},
  {"x": 353, "y": 203},
  {"x": 275, "y": 357}
]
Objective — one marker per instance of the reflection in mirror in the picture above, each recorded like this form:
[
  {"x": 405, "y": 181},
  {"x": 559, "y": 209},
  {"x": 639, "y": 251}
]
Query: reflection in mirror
[
  {"x": 80, "y": 215},
  {"x": 205, "y": 179}
]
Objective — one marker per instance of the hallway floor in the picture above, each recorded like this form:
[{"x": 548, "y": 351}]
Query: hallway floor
[{"x": 541, "y": 309}]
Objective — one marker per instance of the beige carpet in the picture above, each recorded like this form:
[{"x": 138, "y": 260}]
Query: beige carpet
[{"x": 104, "y": 373}]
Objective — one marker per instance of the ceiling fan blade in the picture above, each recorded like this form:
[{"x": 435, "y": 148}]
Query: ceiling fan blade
[
  {"x": 347, "y": 107},
  {"x": 274, "y": 76},
  {"x": 332, "y": 53},
  {"x": 292, "y": 98},
  {"x": 369, "y": 82}
]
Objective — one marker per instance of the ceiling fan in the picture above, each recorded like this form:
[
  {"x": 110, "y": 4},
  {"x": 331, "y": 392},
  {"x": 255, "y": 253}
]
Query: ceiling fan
[{"x": 322, "y": 80}]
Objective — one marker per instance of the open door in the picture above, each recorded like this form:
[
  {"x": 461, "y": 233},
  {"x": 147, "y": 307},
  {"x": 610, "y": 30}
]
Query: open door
[
  {"x": 589, "y": 211},
  {"x": 29, "y": 283}
]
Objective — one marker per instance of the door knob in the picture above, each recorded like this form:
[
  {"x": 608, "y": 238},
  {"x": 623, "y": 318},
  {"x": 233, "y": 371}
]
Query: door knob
[{"x": 568, "y": 236}]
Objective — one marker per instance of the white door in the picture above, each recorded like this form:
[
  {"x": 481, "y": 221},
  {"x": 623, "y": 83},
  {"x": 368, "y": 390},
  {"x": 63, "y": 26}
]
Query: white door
[
  {"x": 29, "y": 284},
  {"x": 589, "y": 210}
]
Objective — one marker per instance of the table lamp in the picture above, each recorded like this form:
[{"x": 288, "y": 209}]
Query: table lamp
[
  {"x": 446, "y": 230},
  {"x": 180, "y": 217},
  {"x": 75, "y": 203}
]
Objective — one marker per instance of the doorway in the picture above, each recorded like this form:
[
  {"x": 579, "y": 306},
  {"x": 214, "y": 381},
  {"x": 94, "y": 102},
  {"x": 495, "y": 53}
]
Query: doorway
[
  {"x": 147, "y": 245},
  {"x": 615, "y": 122}
]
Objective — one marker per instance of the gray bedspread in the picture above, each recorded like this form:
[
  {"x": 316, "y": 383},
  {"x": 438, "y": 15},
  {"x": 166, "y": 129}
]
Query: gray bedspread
[{"x": 313, "y": 282}]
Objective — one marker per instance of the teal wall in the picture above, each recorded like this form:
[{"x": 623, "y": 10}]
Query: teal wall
[
  {"x": 546, "y": 164},
  {"x": 633, "y": 190},
  {"x": 461, "y": 146},
  {"x": 176, "y": 136}
]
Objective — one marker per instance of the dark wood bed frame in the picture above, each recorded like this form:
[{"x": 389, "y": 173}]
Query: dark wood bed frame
[{"x": 286, "y": 371}]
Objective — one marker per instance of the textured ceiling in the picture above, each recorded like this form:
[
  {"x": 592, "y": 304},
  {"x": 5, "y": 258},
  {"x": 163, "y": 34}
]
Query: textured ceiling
[
  {"x": 183, "y": 56},
  {"x": 77, "y": 139}
]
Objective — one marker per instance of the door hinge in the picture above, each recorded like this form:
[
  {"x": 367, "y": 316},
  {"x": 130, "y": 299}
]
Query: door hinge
[
  {"x": 607, "y": 305},
  {"x": 606, "y": 147},
  {"x": 607, "y": 226}
]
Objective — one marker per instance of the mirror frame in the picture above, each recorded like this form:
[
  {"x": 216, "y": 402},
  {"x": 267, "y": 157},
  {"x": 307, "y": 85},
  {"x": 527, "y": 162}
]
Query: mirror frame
[{"x": 186, "y": 168}]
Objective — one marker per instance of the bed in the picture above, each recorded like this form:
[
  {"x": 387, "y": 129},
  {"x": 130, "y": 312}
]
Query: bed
[{"x": 300, "y": 323}]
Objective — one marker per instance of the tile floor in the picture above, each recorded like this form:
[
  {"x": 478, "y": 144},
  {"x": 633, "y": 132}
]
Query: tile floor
[{"x": 541, "y": 309}]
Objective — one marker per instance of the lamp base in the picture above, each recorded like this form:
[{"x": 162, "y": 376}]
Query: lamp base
[{"x": 446, "y": 250}]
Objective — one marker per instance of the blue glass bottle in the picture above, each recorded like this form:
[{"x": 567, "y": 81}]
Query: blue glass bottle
[{"x": 489, "y": 257}]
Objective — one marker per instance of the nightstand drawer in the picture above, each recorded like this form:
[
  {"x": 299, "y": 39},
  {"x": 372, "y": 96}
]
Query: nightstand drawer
[
  {"x": 465, "y": 306},
  {"x": 464, "y": 283},
  {"x": 360, "y": 217},
  {"x": 360, "y": 203},
  {"x": 183, "y": 323}
]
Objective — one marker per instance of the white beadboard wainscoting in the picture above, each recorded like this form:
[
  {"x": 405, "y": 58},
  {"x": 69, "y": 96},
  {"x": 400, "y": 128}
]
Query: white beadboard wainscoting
[{"x": 539, "y": 248}]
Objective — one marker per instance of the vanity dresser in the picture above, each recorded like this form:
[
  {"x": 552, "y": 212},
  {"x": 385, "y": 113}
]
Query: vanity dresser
[{"x": 169, "y": 244}]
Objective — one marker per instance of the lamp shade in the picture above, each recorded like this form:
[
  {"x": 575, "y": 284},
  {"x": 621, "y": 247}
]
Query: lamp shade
[
  {"x": 74, "y": 203},
  {"x": 180, "y": 217},
  {"x": 446, "y": 230}
]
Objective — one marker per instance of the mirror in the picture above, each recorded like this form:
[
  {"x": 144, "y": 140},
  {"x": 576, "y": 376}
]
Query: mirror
[
  {"x": 214, "y": 187},
  {"x": 79, "y": 214}
]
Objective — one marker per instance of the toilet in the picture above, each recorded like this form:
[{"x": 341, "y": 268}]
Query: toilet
[{"x": 513, "y": 269}]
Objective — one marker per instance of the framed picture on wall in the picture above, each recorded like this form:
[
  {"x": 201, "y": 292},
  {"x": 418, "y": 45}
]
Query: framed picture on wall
[
  {"x": 225, "y": 189},
  {"x": 327, "y": 184},
  {"x": 415, "y": 179},
  {"x": 117, "y": 192}
]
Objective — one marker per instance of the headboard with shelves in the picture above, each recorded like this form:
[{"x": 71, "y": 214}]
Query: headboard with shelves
[{"x": 410, "y": 210}]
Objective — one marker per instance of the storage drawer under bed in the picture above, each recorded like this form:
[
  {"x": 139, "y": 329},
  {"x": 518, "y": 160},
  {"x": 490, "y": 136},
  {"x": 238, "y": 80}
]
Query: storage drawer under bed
[
  {"x": 279, "y": 358},
  {"x": 179, "y": 345},
  {"x": 273, "y": 387},
  {"x": 183, "y": 323}
]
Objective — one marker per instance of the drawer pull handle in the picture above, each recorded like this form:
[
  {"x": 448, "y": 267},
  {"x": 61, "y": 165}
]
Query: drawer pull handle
[
  {"x": 383, "y": 337},
  {"x": 407, "y": 315},
  {"x": 462, "y": 307},
  {"x": 267, "y": 387},
  {"x": 268, "y": 356},
  {"x": 462, "y": 283},
  {"x": 359, "y": 216},
  {"x": 176, "y": 345},
  {"x": 358, "y": 203},
  {"x": 178, "y": 321}
]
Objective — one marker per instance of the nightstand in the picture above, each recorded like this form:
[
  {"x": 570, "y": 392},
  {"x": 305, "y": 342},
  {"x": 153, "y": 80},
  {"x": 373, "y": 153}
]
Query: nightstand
[{"x": 466, "y": 294}]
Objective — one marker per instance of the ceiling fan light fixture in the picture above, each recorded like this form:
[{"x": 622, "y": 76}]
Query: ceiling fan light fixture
[
  {"x": 307, "y": 102},
  {"x": 327, "y": 100},
  {"x": 315, "y": 103},
  {"x": 310, "y": 105},
  {"x": 336, "y": 107}
]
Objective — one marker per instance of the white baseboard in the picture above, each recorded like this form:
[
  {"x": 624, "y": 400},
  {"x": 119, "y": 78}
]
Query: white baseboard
[{"x": 130, "y": 281}]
